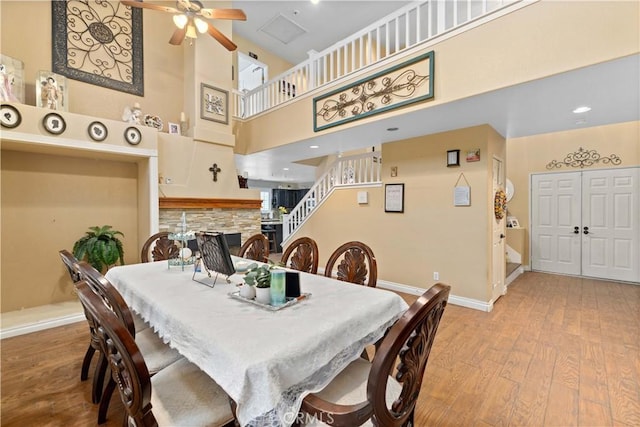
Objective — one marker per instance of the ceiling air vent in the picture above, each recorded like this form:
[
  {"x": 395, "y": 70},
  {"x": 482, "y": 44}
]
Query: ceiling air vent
[{"x": 282, "y": 28}]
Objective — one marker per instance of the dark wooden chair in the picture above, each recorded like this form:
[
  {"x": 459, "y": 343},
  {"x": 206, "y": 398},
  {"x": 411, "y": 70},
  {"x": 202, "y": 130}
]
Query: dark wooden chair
[
  {"x": 357, "y": 264},
  {"x": 256, "y": 248},
  {"x": 159, "y": 248},
  {"x": 177, "y": 389},
  {"x": 71, "y": 263},
  {"x": 302, "y": 255},
  {"x": 368, "y": 392},
  {"x": 158, "y": 354}
]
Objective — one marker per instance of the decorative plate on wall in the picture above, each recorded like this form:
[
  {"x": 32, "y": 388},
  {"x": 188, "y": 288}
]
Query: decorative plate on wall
[
  {"x": 54, "y": 123},
  {"x": 10, "y": 116},
  {"x": 97, "y": 131},
  {"x": 133, "y": 135}
]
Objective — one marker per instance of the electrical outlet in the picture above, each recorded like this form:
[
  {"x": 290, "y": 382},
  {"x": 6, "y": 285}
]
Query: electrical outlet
[
  {"x": 168, "y": 181},
  {"x": 436, "y": 275}
]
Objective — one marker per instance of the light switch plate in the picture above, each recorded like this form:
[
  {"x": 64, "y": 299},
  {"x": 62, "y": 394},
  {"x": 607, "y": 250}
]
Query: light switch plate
[{"x": 363, "y": 197}]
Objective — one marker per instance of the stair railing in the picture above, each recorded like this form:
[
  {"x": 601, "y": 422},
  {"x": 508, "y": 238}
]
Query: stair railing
[
  {"x": 358, "y": 170},
  {"x": 413, "y": 24}
]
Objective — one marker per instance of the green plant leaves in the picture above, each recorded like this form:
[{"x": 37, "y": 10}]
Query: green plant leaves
[
  {"x": 100, "y": 247},
  {"x": 260, "y": 276}
]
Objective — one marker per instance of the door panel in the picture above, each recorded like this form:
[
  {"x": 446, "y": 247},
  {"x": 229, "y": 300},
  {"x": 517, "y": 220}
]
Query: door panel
[
  {"x": 611, "y": 211},
  {"x": 556, "y": 204}
]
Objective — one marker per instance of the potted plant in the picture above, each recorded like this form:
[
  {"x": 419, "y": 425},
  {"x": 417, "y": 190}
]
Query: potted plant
[
  {"x": 260, "y": 277},
  {"x": 100, "y": 247}
]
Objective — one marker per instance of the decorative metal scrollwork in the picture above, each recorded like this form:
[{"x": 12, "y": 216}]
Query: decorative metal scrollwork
[
  {"x": 582, "y": 158},
  {"x": 367, "y": 96},
  {"x": 99, "y": 42}
]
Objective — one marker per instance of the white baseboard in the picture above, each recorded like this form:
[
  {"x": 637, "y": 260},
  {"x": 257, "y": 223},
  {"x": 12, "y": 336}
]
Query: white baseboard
[
  {"x": 514, "y": 275},
  {"x": 14, "y": 331},
  {"x": 453, "y": 299}
]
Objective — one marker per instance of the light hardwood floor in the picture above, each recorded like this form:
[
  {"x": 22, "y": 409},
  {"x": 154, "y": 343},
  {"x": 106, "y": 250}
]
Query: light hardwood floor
[{"x": 555, "y": 351}]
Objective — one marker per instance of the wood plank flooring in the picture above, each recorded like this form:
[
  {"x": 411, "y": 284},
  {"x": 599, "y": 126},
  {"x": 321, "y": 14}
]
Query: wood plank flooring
[{"x": 555, "y": 351}]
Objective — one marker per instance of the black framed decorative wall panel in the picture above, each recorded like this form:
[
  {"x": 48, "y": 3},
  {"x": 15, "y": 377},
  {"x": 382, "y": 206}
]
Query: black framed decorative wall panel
[
  {"x": 403, "y": 84},
  {"x": 98, "y": 42}
]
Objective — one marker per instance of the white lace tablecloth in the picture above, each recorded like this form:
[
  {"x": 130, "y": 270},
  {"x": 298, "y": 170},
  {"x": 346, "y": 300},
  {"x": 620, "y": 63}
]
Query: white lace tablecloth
[{"x": 266, "y": 361}]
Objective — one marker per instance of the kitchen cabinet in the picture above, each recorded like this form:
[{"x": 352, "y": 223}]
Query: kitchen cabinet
[{"x": 287, "y": 198}]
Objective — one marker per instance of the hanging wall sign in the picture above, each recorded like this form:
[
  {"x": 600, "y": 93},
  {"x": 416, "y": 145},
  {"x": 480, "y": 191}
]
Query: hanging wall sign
[{"x": 461, "y": 193}]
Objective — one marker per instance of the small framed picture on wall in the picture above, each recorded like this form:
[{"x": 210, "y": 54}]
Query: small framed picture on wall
[{"x": 174, "y": 128}]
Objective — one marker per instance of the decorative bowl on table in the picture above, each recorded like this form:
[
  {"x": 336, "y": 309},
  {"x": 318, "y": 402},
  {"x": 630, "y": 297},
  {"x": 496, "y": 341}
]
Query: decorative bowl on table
[{"x": 242, "y": 266}]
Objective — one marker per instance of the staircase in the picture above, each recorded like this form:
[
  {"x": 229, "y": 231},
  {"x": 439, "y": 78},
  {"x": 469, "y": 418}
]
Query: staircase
[{"x": 353, "y": 171}]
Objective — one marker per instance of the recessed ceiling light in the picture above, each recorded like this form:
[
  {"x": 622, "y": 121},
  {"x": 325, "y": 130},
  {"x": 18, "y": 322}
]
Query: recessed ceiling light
[
  {"x": 314, "y": 146},
  {"x": 582, "y": 109},
  {"x": 285, "y": 169},
  {"x": 315, "y": 1},
  {"x": 392, "y": 129}
]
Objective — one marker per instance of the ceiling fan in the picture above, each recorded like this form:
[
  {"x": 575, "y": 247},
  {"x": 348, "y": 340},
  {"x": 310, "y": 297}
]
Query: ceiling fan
[{"x": 188, "y": 17}]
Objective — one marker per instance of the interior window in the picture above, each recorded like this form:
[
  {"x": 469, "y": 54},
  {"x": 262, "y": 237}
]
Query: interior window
[{"x": 265, "y": 196}]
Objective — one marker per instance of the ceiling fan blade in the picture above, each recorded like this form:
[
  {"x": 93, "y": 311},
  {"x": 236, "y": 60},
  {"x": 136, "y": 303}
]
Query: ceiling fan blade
[
  {"x": 178, "y": 36},
  {"x": 224, "y": 41},
  {"x": 237, "y": 14},
  {"x": 151, "y": 6}
]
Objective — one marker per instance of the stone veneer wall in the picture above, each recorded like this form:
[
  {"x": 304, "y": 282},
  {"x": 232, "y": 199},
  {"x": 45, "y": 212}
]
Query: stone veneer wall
[{"x": 247, "y": 222}]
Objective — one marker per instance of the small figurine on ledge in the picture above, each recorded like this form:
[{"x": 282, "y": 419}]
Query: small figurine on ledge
[{"x": 132, "y": 114}]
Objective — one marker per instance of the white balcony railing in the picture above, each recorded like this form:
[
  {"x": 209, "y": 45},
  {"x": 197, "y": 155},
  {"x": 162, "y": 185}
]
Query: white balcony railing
[
  {"x": 416, "y": 23},
  {"x": 358, "y": 170}
]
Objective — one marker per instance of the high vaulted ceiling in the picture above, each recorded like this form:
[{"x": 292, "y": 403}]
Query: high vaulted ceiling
[{"x": 611, "y": 89}]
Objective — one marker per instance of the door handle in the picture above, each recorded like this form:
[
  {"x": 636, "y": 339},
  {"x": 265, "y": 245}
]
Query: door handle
[
  {"x": 502, "y": 236},
  {"x": 585, "y": 230},
  {"x": 576, "y": 229}
]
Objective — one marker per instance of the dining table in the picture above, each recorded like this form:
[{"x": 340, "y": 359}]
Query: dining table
[{"x": 266, "y": 360}]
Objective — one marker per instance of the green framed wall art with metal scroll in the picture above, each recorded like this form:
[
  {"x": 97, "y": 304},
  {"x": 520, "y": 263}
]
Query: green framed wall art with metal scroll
[
  {"x": 402, "y": 84},
  {"x": 98, "y": 42}
]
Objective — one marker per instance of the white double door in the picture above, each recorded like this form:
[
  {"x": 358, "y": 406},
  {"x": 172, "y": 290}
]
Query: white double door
[{"x": 587, "y": 223}]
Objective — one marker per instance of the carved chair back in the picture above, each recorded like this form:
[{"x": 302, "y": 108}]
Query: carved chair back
[
  {"x": 256, "y": 248},
  {"x": 111, "y": 298},
  {"x": 409, "y": 341},
  {"x": 159, "y": 248},
  {"x": 71, "y": 263},
  {"x": 357, "y": 264},
  {"x": 128, "y": 368},
  {"x": 302, "y": 255}
]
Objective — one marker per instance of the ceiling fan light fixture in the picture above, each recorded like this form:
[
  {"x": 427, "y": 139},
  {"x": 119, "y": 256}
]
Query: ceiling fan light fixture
[
  {"x": 180, "y": 20},
  {"x": 201, "y": 25},
  {"x": 191, "y": 31}
]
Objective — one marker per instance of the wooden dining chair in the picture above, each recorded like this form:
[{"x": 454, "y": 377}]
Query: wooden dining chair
[
  {"x": 368, "y": 393},
  {"x": 256, "y": 248},
  {"x": 157, "y": 354},
  {"x": 302, "y": 255},
  {"x": 179, "y": 395},
  {"x": 159, "y": 248},
  {"x": 357, "y": 264},
  {"x": 71, "y": 264}
]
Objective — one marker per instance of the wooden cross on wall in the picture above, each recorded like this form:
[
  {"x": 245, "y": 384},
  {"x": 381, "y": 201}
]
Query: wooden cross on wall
[{"x": 215, "y": 169}]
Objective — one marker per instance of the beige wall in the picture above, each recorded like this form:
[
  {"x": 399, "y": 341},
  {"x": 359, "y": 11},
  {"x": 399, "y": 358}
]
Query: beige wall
[
  {"x": 163, "y": 70},
  {"x": 102, "y": 192},
  {"x": 531, "y": 43},
  {"x": 431, "y": 235},
  {"x": 48, "y": 202},
  {"x": 531, "y": 154},
  {"x": 186, "y": 162}
]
